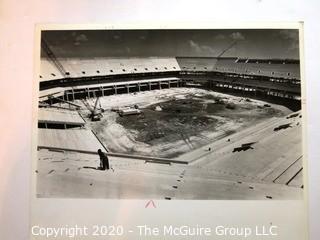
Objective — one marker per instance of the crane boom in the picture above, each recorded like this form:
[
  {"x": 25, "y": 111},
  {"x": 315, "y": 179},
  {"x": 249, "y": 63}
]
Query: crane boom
[
  {"x": 52, "y": 57},
  {"x": 225, "y": 50},
  {"x": 95, "y": 105}
]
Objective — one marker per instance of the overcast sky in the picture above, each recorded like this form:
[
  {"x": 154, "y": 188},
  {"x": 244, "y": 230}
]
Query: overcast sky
[{"x": 200, "y": 43}]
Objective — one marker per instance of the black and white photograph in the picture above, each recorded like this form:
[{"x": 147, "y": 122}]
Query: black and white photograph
[{"x": 170, "y": 114}]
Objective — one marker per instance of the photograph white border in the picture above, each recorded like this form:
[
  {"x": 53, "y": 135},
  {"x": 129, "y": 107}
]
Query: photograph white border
[
  {"x": 238, "y": 211},
  {"x": 17, "y": 49}
]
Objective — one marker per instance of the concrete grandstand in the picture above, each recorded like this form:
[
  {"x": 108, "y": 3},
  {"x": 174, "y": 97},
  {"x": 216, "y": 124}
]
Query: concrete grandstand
[{"x": 223, "y": 166}]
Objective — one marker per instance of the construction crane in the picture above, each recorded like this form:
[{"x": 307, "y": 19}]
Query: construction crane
[
  {"x": 53, "y": 58},
  {"x": 226, "y": 49},
  {"x": 95, "y": 113},
  {"x": 45, "y": 47}
]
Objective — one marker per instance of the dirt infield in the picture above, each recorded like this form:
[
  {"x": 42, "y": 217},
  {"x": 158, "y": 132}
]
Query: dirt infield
[{"x": 175, "y": 121}]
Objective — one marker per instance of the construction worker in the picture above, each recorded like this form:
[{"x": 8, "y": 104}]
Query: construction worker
[{"x": 104, "y": 161}]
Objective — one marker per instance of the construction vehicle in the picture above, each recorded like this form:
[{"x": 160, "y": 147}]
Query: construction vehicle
[
  {"x": 95, "y": 113},
  {"x": 129, "y": 111}
]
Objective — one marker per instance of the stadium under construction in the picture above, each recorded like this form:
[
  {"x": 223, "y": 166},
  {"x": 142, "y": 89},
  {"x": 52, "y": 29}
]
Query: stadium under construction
[{"x": 173, "y": 128}]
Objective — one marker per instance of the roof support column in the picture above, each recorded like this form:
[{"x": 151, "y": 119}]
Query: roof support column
[{"x": 102, "y": 91}]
